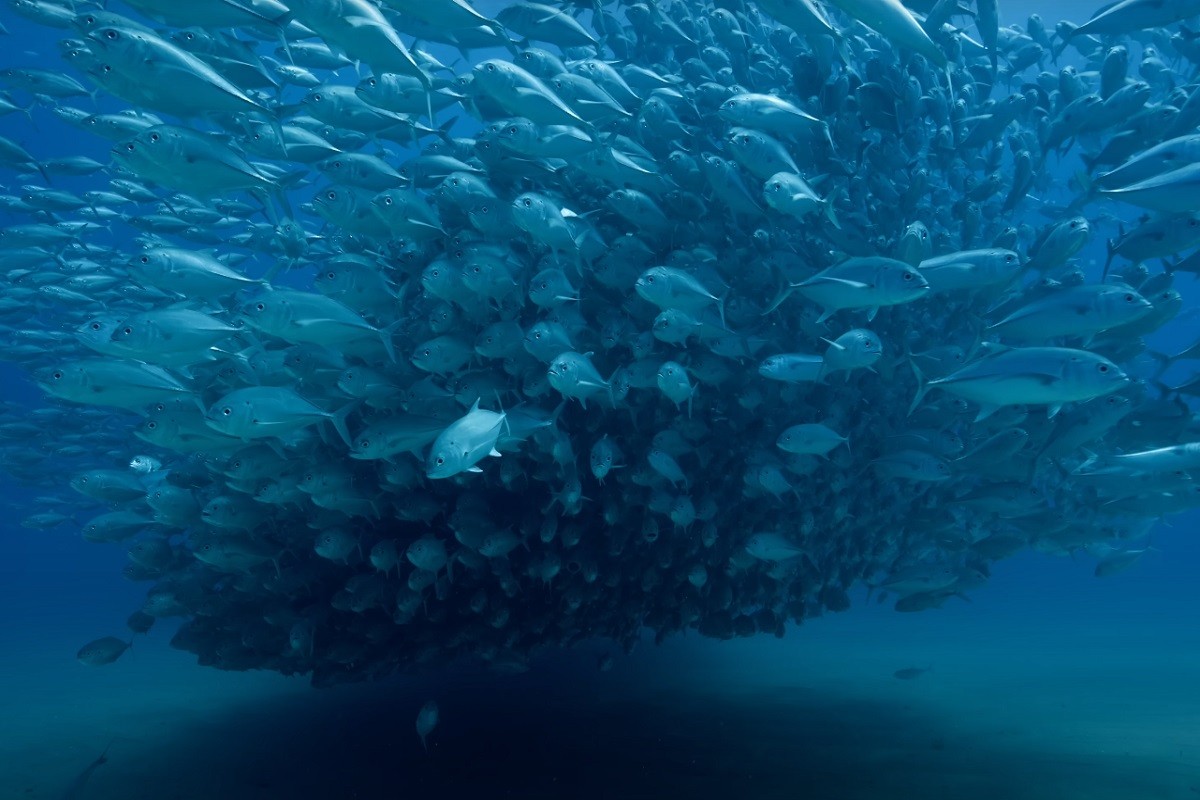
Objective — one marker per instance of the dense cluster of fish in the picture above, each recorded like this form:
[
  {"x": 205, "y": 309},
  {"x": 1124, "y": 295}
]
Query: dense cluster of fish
[{"x": 664, "y": 315}]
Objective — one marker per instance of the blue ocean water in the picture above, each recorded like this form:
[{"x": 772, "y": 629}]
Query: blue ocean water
[{"x": 1048, "y": 683}]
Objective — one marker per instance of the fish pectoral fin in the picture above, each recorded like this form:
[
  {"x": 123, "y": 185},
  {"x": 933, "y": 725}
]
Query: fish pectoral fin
[
  {"x": 496, "y": 453},
  {"x": 474, "y": 469},
  {"x": 305, "y": 323}
]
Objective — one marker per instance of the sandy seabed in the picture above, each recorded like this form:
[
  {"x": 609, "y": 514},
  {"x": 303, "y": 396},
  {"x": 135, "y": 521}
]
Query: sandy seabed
[{"x": 1015, "y": 707}]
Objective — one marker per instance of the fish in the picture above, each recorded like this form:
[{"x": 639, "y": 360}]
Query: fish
[
  {"x": 911, "y": 673},
  {"x": 462, "y": 444},
  {"x": 575, "y": 322},
  {"x": 1048, "y": 376},
  {"x": 427, "y": 720},
  {"x": 869, "y": 282},
  {"x": 75, "y": 787},
  {"x": 102, "y": 651},
  {"x": 270, "y": 411},
  {"x": 768, "y": 546}
]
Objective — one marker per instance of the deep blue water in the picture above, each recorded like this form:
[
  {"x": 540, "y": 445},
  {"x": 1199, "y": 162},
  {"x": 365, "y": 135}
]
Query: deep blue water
[{"x": 817, "y": 715}]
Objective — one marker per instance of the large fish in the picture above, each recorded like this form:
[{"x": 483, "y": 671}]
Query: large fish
[{"x": 1048, "y": 376}]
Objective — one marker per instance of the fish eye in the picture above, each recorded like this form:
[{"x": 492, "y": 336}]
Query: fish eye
[
  {"x": 151, "y": 424},
  {"x": 483, "y": 209},
  {"x": 491, "y": 68},
  {"x": 318, "y": 98},
  {"x": 154, "y": 137},
  {"x": 387, "y": 201},
  {"x": 330, "y": 275},
  {"x": 127, "y": 331},
  {"x": 57, "y": 374},
  {"x": 426, "y": 352},
  {"x": 1074, "y": 224},
  {"x": 144, "y": 259},
  {"x": 95, "y": 326},
  {"x": 1103, "y": 368},
  {"x": 440, "y": 461},
  {"x": 1128, "y": 298},
  {"x": 908, "y": 276},
  {"x": 129, "y": 147},
  {"x": 528, "y": 202},
  {"x": 260, "y": 306},
  {"x": 111, "y": 35},
  {"x": 331, "y": 195},
  {"x": 371, "y": 81},
  {"x": 227, "y": 411},
  {"x": 337, "y": 165}
]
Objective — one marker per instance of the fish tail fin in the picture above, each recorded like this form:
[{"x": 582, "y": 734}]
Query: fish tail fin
[
  {"x": 608, "y": 384},
  {"x": 922, "y": 386},
  {"x": 385, "y": 337},
  {"x": 512, "y": 45},
  {"x": 783, "y": 292},
  {"x": 831, "y": 213},
  {"x": 1110, "y": 251},
  {"x": 1163, "y": 360},
  {"x": 338, "y": 419}
]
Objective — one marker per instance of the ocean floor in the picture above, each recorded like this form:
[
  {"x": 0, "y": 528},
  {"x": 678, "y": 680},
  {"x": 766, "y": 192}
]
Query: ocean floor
[{"x": 1018, "y": 705}]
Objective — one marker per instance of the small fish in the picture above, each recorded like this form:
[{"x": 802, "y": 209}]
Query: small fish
[
  {"x": 144, "y": 465},
  {"x": 102, "y": 651},
  {"x": 427, "y": 720}
]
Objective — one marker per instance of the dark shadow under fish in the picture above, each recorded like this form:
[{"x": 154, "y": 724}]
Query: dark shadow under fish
[{"x": 911, "y": 673}]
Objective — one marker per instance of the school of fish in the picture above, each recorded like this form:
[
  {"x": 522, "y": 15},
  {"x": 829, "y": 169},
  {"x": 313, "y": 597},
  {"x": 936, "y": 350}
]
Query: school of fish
[{"x": 396, "y": 333}]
